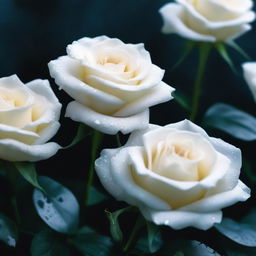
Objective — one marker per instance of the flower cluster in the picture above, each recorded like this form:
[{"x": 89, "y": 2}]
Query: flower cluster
[{"x": 176, "y": 175}]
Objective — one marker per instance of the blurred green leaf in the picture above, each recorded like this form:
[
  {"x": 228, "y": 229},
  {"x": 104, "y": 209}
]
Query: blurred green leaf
[
  {"x": 58, "y": 208},
  {"x": 182, "y": 100},
  {"x": 190, "y": 45},
  {"x": 95, "y": 197},
  {"x": 231, "y": 120},
  {"x": 28, "y": 171},
  {"x": 8, "y": 231},
  {"x": 46, "y": 243},
  {"x": 221, "y": 49},
  {"x": 236, "y": 47},
  {"x": 90, "y": 243},
  {"x": 82, "y": 132},
  {"x": 240, "y": 233}
]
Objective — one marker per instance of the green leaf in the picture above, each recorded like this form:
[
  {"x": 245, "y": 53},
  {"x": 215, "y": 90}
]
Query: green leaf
[
  {"x": 231, "y": 120},
  {"x": 240, "y": 233},
  {"x": 115, "y": 229},
  {"x": 90, "y": 243},
  {"x": 82, "y": 132},
  {"x": 58, "y": 208},
  {"x": 239, "y": 50},
  {"x": 221, "y": 48},
  {"x": 190, "y": 45},
  {"x": 182, "y": 100},
  {"x": 154, "y": 237},
  {"x": 46, "y": 243},
  {"x": 28, "y": 171},
  {"x": 188, "y": 247},
  {"x": 95, "y": 197},
  {"x": 8, "y": 231}
]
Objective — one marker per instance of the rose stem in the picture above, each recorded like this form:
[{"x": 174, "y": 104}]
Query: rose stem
[
  {"x": 118, "y": 141},
  {"x": 12, "y": 175},
  {"x": 204, "y": 50},
  {"x": 134, "y": 235},
  {"x": 96, "y": 140}
]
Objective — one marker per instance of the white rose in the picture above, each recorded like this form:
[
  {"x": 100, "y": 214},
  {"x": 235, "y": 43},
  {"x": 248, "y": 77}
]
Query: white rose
[
  {"x": 249, "y": 69},
  {"x": 113, "y": 83},
  {"x": 176, "y": 175},
  {"x": 29, "y": 115},
  {"x": 208, "y": 20}
]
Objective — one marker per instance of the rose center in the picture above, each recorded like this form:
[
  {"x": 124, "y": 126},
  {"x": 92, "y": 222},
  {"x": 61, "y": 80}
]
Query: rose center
[{"x": 6, "y": 102}]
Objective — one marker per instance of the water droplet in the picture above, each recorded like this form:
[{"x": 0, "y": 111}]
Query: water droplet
[
  {"x": 46, "y": 217},
  {"x": 97, "y": 122},
  {"x": 40, "y": 203},
  {"x": 11, "y": 241},
  {"x": 166, "y": 222},
  {"x": 48, "y": 200},
  {"x": 60, "y": 199}
]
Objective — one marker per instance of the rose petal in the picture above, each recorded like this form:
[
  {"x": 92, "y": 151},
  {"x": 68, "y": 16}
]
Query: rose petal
[
  {"x": 218, "y": 201},
  {"x": 115, "y": 176},
  {"x": 67, "y": 74},
  {"x": 9, "y": 132},
  {"x": 104, "y": 123},
  {"x": 159, "y": 94},
  {"x": 12, "y": 150},
  {"x": 20, "y": 114},
  {"x": 249, "y": 69},
  {"x": 174, "y": 22},
  {"x": 185, "y": 192},
  {"x": 182, "y": 219}
]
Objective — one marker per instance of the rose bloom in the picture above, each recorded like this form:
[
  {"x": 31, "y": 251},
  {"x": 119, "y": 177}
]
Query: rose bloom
[
  {"x": 249, "y": 69},
  {"x": 29, "y": 115},
  {"x": 208, "y": 20},
  {"x": 113, "y": 83},
  {"x": 176, "y": 175}
]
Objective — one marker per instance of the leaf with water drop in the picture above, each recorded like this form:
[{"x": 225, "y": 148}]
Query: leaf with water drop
[
  {"x": 58, "y": 208},
  {"x": 8, "y": 231},
  {"x": 188, "y": 247}
]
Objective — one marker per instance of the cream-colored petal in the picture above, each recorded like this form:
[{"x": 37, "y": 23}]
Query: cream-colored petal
[
  {"x": 216, "y": 10},
  {"x": 175, "y": 193},
  {"x": 221, "y": 30},
  {"x": 47, "y": 108},
  {"x": 127, "y": 92},
  {"x": 182, "y": 219},
  {"x": 19, "y": 114},
  {"x": 233, "y": 171},
  {"x": 174, "y": 17},
  {"x": 12, "y": 150},
  {"x": 46, "y": 132},
  {"x": 218, "y": 201},
  {"x": 249, "y": 70},
  {"x": 158, "y": 94},
  {"x": 104, "y": 123},
  {"x": 136, "y": 137},
  {"x": 67, "y": 74},
  {"x": 128, "y": 191},
  {"x": 14, "y": 133}
]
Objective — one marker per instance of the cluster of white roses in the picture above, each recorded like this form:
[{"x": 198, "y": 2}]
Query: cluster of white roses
[{"x": 176, "y": 175}]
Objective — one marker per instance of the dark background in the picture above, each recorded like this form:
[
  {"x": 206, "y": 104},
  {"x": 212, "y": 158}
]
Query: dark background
[{"x": 33, "y": 32}]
